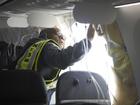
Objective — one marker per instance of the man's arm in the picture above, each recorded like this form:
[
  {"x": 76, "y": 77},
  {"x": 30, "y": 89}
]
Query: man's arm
[
  {"x": 54, "y": 57},
  {"x": 61, "y": 59}
]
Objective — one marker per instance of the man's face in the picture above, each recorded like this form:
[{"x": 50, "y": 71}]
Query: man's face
[{"x": 59, "y": 38}]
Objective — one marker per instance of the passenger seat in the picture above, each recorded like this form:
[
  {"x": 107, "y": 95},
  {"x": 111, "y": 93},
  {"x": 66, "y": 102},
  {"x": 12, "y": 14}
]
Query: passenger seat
[
  {"x": 22, "y": 87},
  {"x": 82, "y": 88}
]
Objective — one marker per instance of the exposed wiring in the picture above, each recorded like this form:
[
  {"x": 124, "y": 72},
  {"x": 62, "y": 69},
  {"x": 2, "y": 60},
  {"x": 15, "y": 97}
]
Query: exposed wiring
[
  {"x": 4, "y": 2},
  {"x": 97, "y": 86},
  {"x": 114, "y": 98},
  {"x": 109, "y": 42},
  {"x": 99, "y": 29}
]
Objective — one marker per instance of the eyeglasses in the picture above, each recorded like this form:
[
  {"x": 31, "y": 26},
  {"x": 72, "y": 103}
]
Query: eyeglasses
[{"x": 60, "y": 35}]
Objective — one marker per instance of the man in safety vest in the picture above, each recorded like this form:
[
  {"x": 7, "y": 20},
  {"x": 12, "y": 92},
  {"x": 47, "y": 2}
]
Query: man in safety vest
[{"x": 47, "y": 56}]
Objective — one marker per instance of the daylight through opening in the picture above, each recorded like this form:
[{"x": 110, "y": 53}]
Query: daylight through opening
[{"x": 97, "y": 60}]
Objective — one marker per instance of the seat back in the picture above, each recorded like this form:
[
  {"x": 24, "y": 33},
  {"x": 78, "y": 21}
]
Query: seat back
[
  {"x": 21, "y": 87},
  {"x": 138, "y": 102},
  {"x": 79, "y": 87}
]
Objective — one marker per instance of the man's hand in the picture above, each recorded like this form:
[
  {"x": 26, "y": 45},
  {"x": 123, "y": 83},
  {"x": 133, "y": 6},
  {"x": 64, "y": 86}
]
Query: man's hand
[{"x": 90, "y": 33}]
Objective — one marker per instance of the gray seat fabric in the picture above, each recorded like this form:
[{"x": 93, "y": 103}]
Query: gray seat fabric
[
  {"x": 21, "y": 87},
  {"x": 82, "y": 88}
]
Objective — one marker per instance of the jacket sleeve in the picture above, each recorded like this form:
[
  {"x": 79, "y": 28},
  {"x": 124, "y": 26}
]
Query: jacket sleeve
[{"x": 62, "y": 58}]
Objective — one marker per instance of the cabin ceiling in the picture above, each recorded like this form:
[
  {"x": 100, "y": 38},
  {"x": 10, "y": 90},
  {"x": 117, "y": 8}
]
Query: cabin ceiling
[{"x": 54, "y": 6}]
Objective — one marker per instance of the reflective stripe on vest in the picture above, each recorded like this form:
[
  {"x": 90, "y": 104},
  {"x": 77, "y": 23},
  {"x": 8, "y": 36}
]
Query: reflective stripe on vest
[
  {"x": 28, "y": 59},
  {"x": 31, "y": 56}
]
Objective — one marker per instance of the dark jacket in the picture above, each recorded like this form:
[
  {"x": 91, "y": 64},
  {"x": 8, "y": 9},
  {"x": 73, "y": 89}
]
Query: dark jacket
[{"x": 54, "y": 58}]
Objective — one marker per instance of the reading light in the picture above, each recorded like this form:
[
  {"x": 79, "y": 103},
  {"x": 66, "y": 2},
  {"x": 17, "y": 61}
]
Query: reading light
[{"x": 127, "y": 5}]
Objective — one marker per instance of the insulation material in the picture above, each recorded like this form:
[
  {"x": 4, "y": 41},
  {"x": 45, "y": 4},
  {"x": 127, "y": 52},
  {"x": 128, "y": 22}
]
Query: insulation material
[
  {"x": 126, "y": 86},
  {"x": 18, "y": 36},
  {"x": 11, "y": 42}
]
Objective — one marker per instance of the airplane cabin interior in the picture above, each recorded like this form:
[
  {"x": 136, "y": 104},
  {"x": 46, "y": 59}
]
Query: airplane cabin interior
[{"x": 107, "y": 75}]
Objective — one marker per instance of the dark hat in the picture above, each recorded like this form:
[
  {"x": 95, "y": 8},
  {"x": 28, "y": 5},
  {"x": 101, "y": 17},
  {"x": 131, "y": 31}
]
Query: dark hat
[{"x": 43, "y": 34}]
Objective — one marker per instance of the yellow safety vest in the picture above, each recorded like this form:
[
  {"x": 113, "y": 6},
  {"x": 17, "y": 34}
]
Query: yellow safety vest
[{"x": 29, "y": 60}]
